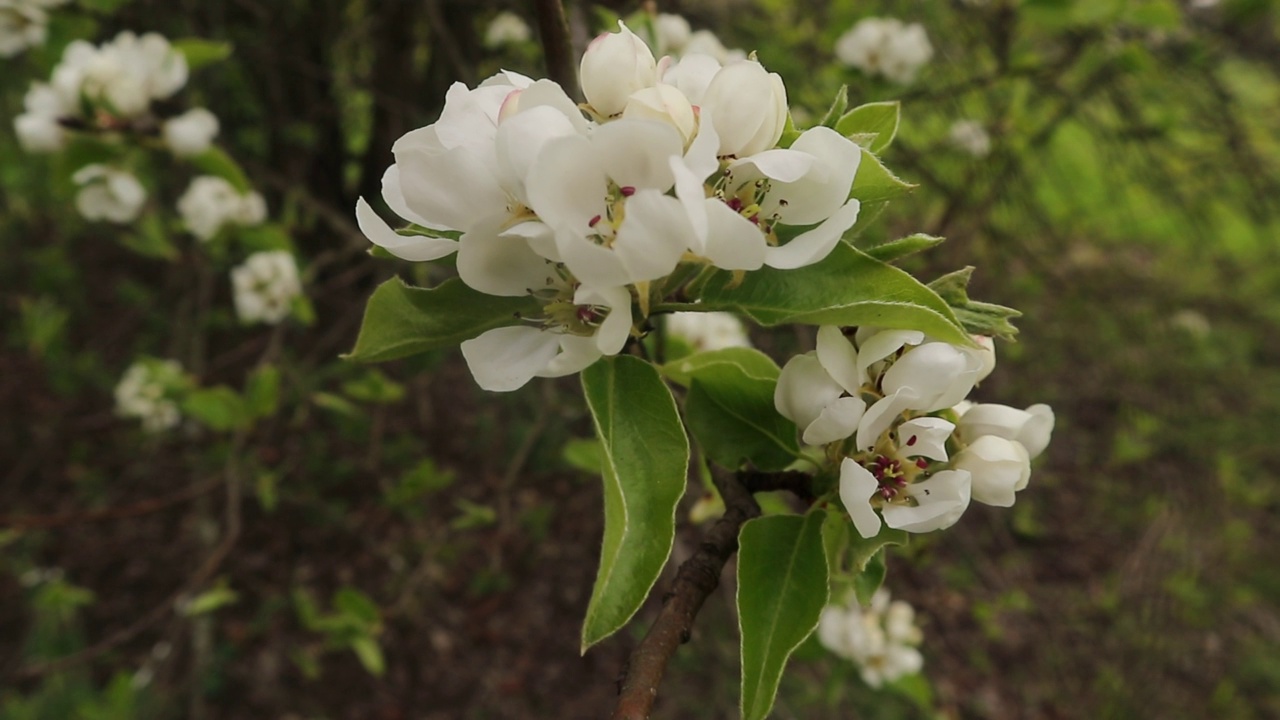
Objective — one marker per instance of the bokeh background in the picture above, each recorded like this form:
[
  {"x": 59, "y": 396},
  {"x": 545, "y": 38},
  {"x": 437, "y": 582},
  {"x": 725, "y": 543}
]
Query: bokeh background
[{"x": 391, "y": 542}]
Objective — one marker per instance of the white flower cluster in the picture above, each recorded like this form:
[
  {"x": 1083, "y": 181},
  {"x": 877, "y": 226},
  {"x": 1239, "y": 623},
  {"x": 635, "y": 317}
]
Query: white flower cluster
[
  {"x": 108, "y": 193},
  {"x": 673, "y": 35},
  {"x": 705, "y": 331},
  {"x": 880, "y": 639},
  {"x": 970, "y": 137},
  {"x": 578, "y": 212},
  {"x": 885, "y": 46},
  {"x": 910, "y": 454},
  {"x": 24, "y": 24},
  {"x": 210, "y": 203},
  {"x": 265, "y": 286},
  {"x": 111, "y": 88},
  {"x": 146, "y": 392}
]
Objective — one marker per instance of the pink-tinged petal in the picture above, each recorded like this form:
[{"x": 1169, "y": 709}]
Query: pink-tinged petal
[
  {"x": 449, "y": 190},
  {"x": 547, "y": 93},
  {"x": 733, "y": 242},
  {"x": 634, "y": 153},
  {"x": 394, "y": 197},
  {"x": 837, "y": 421},
  {"x": 880, "y": 345},
  {"x": 778, "y": 164},
  {"x": 839, "y": 359},
  {"x": 880, "y": 416},
  {"x": 942, "y": 499},
  {"x": 857, "y": 485},
  {"x": 504, "y": 359},
  {"x": 925, "y": 437},
  {"x": 566, "y": 184},
  {"x": 812, "y": 246},
  {"x": 804, "y": 389},
  {"x": 521, "y": 138},
  {"x": 613, "y": 332},
  {"x": 576, "y": 354},
  {"x": 824, "y": 186},
  {"x": 501, "y": 265},
  {"x": 653, "y": 235},
  {"x": 414, "y": 248}
]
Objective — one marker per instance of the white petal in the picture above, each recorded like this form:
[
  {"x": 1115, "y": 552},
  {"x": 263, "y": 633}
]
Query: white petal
[
  {"x": 415, "y": 248},
  {"x": 567, "y": 184},
  {"x": 653, "y": 235},
  {"x": 839, "y": 358},
  {"x": 733, "y": 242},
  {"x": 880, "y": 345},
  {"x": 500, "y": 265},
  {"x": 812, "y": 246},
  {"x": 701, "y": 156},
  {"x": 804, "y": 389},
  {"x": 504, "y": 359},
  {"x": 613, "y": 332},
  {"x": 837, "y": 421},
  {"x": 634, "y": 153},
  {"x": 449, "y": 190},
  {"x": 1036, "y": 433},
  {"x": 942, "y": 499},
  {"x": 394, "y": 197},
  {"x": 925, "y": 437},
  {"x": 880, "y": 416},
  {"x": 576, "y": 353},
  {"x": 939, "y": 375},
  {"x": 857, "y": 485},
  {"x": 590, "y": 263},
  {"x": 782, "y": 165},
  {"x": 824, "y": 187},
  {"x": 693, "y": 196},
  {"x": 521, "y": 138},
  {"x": 999, "y": 468},
  {"x": 547, "y": 93}
]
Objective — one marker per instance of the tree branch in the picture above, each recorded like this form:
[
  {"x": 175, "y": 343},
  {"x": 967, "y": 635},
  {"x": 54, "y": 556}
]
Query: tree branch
[
  {"x": 557, "y": 48},
  {"x": 697, "y": 578}
]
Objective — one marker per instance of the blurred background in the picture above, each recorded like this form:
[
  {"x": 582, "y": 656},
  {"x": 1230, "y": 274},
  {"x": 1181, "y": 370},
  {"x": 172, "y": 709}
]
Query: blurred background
[{"x": 342, "y": 541}]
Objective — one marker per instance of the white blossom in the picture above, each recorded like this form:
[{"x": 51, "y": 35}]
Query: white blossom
[
  {"x": 211, "y": 203},
  {"x": 265, "y": 285},
  {"x": 971, "y": 137},
  {"x": 190, "y": 133},
  {"x": 614, "y": 66},
  {"x": 1031, "y": 427},
  {"x": 146, "y": 391},
  {"x": 999, "y": 468},
  {"x": 885, "y": 46},
  {"x": 881, "y": 639},
  {"x": 124, "y": 75},
  {"x": 24, "y": 24},
  {"x": 108, "y": 193},
  {"x": 708, "y": 330},
  {"x": 506, "y": 28},
  {"x": 38, "y": 128}
]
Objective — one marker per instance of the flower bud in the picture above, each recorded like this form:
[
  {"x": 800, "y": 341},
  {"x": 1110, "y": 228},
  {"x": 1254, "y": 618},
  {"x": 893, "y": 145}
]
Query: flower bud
[
  {"x": 1031, "y": 427},
  {"x": 750, "y": 107},
  {"x": 999, "y": 467},
  {"x": 665, "y": 104},
  {"x": 614, "y": 66}
]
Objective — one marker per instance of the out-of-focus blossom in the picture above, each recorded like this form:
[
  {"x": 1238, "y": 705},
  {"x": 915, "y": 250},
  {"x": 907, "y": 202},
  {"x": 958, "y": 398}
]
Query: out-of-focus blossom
[
  {"x": 885, "y": 46},
  {"x": 506, "y": 28},
  {"x": 265, "y": 285},
  {"x": 190, "y": 133},
  {"x": 210, "y": 203},
  {"x": 147, "y": 391},
  {"x": 970, "y": 137},
  {"x": 881, "y": 639},
  {"x": 709, "y": 330},
  {"x": 108, "y": 193}
]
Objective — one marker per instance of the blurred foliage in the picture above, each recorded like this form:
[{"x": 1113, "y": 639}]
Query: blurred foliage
[{"x": 411, "y": 546}]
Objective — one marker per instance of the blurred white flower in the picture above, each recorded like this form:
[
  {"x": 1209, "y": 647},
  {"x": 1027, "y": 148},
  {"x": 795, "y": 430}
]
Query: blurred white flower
[
  {"x": 125, "y": 75},
  {"x": 190, "y": 133},
  {"x": 107, "y": 193},
  {"x": 506, "y": 28},
  {"x": 211, "y": 202},
  {"x": 24, "y": 24},
  {"x": 970, "y": 137},
  {"x": 885, "y": 46},
  {"x": 265, "y": 286},
  {"x": 39, "y": 128},
  {"x": 880, "y": 639},
  {"x": 146, "y": 391},
  {"x": 708, "y": 330}
]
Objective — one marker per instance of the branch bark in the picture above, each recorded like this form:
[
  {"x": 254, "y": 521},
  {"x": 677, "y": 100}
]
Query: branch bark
[
  {"x": 557, "y": 47},
  {"x": 696, "y": 579}
]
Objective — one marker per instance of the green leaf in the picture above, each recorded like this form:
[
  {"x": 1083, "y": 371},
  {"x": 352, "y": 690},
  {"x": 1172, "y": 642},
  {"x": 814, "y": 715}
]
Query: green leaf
[
  {"x": 902, "y": 247},
  {"x": 730, "y": 410},
  {"x": 150, "y": 238},
  {"x": 210, "y": 600},
  {"x": 867, "y": 582},
  {"x": 862, "y": 550},
  {"x": 220, "y": 408},
  {"x": 215, "y": 161},
  {"x": 585, "y": 455},
  {"x": 874, "y": 182},
  {"x": 262, "y": 391},
  {"x": 374, "y": 387},
  {"x": 847, "y": 288},
  {"x": 790, "y": 133},
  {"x": 879, "y": 120},
  {"x": 200, "y": 52},
  {"x": 837, "y": 108},
  {"x": 782, "y": 588},
  {"x": 402, "y": 320},
  {"x": 978, "y": 318},
  {"x": 369, "y": 654},
  {"x": 646, "y": 458}
]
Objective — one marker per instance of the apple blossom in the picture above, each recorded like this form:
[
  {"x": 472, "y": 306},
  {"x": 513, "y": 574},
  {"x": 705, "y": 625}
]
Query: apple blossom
[
  {"x": 749, "y": 105},
  {"x": 146, "y": 390},
  {"x": 999, "y": 468},
  {"x": 24, "y": 24},
  {"x": 38, "y": 128},
  {"x": 970, "y": 137},
  {"x": 211, "y": 203},
  {"x": 1031, "y": 427},
  {"x": 880, "y": 639},
  {"x": 885, "y": 46},
  {"x": 190, "y": 133},
  {"x": 614, "y": 66},
  {"x": 506, "y": 28},
  {"x": 109, "y": 194},
  {"x": 265, "y": 286},
  {"x": 708, "y": 330}
]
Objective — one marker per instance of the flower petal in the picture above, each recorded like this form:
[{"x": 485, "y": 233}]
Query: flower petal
[
  {"x": 504, "y": 359},
  {"x": 415, "y": 248},
  {"x": 804, "y": 389},
  {"x": 653, "y": 235},
  {"x": 812, "y": 246},
  {"x": 634, "y": 153},
  {"x": 839, "y": 358},
  {"x": 837, "y": 421},
  {"x": 733, "y": 242},
  {"x": 925, "y": 437},
  {"x": 942, "y": 499},
  {"x": 857, "y": 485},
  {"x": 499, "y": 264}
]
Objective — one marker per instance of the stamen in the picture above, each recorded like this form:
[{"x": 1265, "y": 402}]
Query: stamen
[{"x": 627, "y": 191}]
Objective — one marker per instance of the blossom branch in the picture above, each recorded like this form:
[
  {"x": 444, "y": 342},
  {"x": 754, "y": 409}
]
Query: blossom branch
[
  {"x": 557, "y": 47},
  {"x": 696, "y": 579}
]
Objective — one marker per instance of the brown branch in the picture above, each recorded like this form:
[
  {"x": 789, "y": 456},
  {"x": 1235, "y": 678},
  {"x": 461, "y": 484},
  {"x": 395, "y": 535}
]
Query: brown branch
[
  {"x": 695, "y": 581},
  {"x": 144, "y": 507},
  {"x": 557, "y": 47}
]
